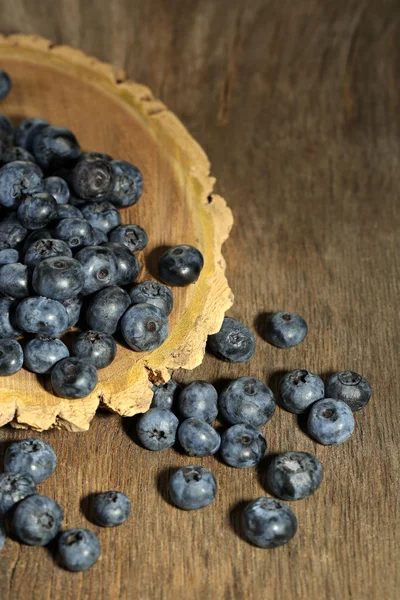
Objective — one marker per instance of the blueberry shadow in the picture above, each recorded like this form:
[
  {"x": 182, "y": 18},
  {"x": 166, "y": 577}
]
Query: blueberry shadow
[
  {"x": 273, "y": 383},
  {"x": 302, "y": 423},
  {"x": 221, "y": 383},
  {"x": 129, "y": 427},
  {"x": 327, "y": 375},
  {"x": 162, "y": 481},
  {"x": 86, "y": 506},
  {"x": 153, "y": 258},
  {"x": 52, "y": 549},
  {"x": 260, "y": 323},
  {"x": 235, "y": 518},
  {"x": 262, "y": 470}
]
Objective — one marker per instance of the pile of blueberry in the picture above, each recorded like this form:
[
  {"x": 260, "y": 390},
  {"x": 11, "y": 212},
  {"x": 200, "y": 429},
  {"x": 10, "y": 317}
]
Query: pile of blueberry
[
  {"x": 36, "y": 520},
  {"x": 66, "y": 259}
]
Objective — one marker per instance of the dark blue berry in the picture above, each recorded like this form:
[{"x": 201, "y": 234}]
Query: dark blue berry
[
  {"x": 181, "y": 265},
  {"x": 12, "y": 234},
  {"x": 247, "y": 400},
  {"x": 3, "y": 536},
  {"x": 330, "y": 421},
  {"x": 268, "y": 523},
  {"x": 192, "y": 487},
  {"x": 92, "y": 178},
  {"x": 9, "y": 256},
  {"x": 144, "y": 327},
  {"x": 242, "y": 446},
  {"x": 233, "y": 343},
  {"x": 5, "y": 84},
  {"x": 99, "y": 237},
  {"x": 99, "y": 268},
  {"x": 73, "y": 307},
  {"x": 165, "y": 396},
  {"x": 98, "y": 348},
  {"x": 198, "y": 438},
  {"x": 133, "y": 237},
  {"x": 127, "y": 184},
  {"x": 13, "y": 153},
  {"x": 73, "y": 378},
  {"x": 102, "y": 215},
  {"x": 59, "y": 277},
  {"x": 58, "y": 188},
  {"x": 106, "y": 308},
  {"x": 294, "y": 475},
  {"x": 102, "y": 155},
  {"x": 27, "y": 130},
  {"x": 32, "y": 457},
  {"x": 66, "y": 211},
  {"x": 14, "y": 280},
  {"x": 37, "y": 520},
  {"x": 8, "y": 320},
  {"x": 78, "y": 549},
  {"x": 285, "y": 330},
  {"x": 14, "y": 487},
  {"x": 11, "y": 357},
  {"x": 74, "y": 232},
  {"x": 157, "y": 428},
  {"x": 55, "y": 147},
  {"x": 152, "y": 292},
  {"x": 43, "y": 249},
  {"x": 42, "y": 315},
  {"x": 299, "y": 389},
  {"x": 111, "y": 509},
  {"x": 6, "y": 130},
  {"x": 127, "y": 263},
  {"x": 42, "y": 353},
  {"x": 199, "y": 400},
  {"x": 19, "y": 179},
  {"x": 349, "y": 387},
  {"x": 34, "y": 236}
]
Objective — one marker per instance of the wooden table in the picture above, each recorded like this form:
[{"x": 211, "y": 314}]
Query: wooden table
[{"x": 297, "y": 105}]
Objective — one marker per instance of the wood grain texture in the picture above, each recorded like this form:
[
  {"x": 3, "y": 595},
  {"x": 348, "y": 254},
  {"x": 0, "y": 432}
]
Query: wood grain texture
[{"x": 297, "y": 106}]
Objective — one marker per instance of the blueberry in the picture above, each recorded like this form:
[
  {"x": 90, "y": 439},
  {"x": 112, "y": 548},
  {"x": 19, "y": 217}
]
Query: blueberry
[
  {"x": 31, "y": 457},
  {"x": 199, "y": 400},
  {"x": 73, "y": 307},
  {"x": 79, "y": 549},
  {"x": 233, "y": 343},
  {"x": 242, "y": 446},
  {"x": 102, "y": 155},
  {"x": 127, "y": 184},
  {"x": 299, "y": 389},
  {"x": 247, "y": 400},
  {"x": 8, "y": 321},
  {"x": 268, "y": 523},
  {"x": 11, "y": 357},
  {"x": 102, "y": 215},
  {"x": 14, "y": 280},
  {"x": 45, "y": 248},
  {"x": 3, "y": 536},
  {"x": 330, "y": 421},
  {"x": 111, "y": 509},
  {"x": 13, "y": 153},
  {"x": 349, "y": 387},
  {"x": 34, "y": 236},
  {"x": 55, "y": 147},
  {"x": 73, "y": 378},
  {"x": 59, "y": 278},
  {"x": 6, "y": 130},
  {"x": 27, "y": 130},
  {"x": 14, "y": 487},
  {"x": 99, "y": 268},
  {"x": 181, "y": 265},
  {"x": 99, "y": 237},
  {"x": 92, "y": 178},
  {"x": 165, "y": 396},
  {"x": 97, "y": 348},
  {"x": 157, "y": 428},
  {"x": 12, "y": 234},
  {"x": 17, "y": 180},
  {"x": 294, "y": 475},
  {"x": 152, "y": 292},
  {"x": 192, "y": 487},
  {"x": 285, "y": 330},
  {"x": 42, "y": 353},
  {"x": 106, "y": 308},
  {"x": 42, "y": 315},
  {"x": 74, "y": 232},
  {"x": 5, "y": 84},
  {"x": 58, "y": 188},
  {"x": 144, "y": 327},
  {"x": 66, "y": 211},
  {"x": 9, "y": 256},
  {"x": 127, "y": 263},
  {"x": 37, "y": 520},
  {"x": 133, "y": 237},
  {"x": 198, "y": 438}
]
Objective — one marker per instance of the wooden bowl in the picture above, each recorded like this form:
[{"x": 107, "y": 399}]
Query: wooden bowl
[{"x": 113, "y": 115}]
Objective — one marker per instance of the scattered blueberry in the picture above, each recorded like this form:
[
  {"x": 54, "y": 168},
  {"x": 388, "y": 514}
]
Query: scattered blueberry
[
  {"x": 165, "y": 396},
  {"x": 42, "y": 353},
  {"x": 98, "y": 348},
  {"x": 99, "y": 268},
  {"x": 14, "y": 487},
  {"x": 102, "y": 155},
  {"x": 152, "y": 292},
  {"x": 74, "y": 232},
  {"x": 92, "y": 178},
  {"x": 181, "y": 265},
  {"x": 9, "y": 256},
  {"x": 58, "y": 188},
  {"x": 13, "y": 153},
  {"x": 198, "y": 438},
  {"x": 58, "y": 278},
  {"x": 17, "y": 180},
  {"x": 45, "y": 248},
  {"x": 127, "y": 264},
  {"x": 102, "y": 215},
  {"x": 294, "y": 475},
  {"x": 26, "y": 131},
  {"x": 349, "y": 387},
  {"x": 111, "y": 509},
  {"x": 11, "y": 357},
  {"x": 14, "y": 280},
  {"x": 35, "y": 235},
  {"x": 299, "y": 389},
  {"x": 144, "y": 327},
  {"x": 37, "y": 210},
  {"x": 37, "y": 520},
  {"x": 73, "y": 378},
  {"x": 242, "y": 446},
  {"x": 247, "y": 400},
  {"x": 133, "y": 237},
  {"x": 285, "y": 330},
  {"x": 8, "y": 321},
  {"x": 330, "y": 421},
  {"x": 5, "y": 84},
  {"x": 78, "y": 549},
  {"x": 192, "y": 487},
  {"x": 32, "y": 457},
  {"x": 233, "y": 343},
  {"x": 12, "y": 234},
  {"x": 55, "y": 147},
  {"x": 157, "y": 428},
  {"x": 106, "y": 308},
  {"x": 268, "y": 523},
  {"x": 127, "y": 184},
  {"x": 199, "y": 400},
  {"x": 6, "y": 130},
  {"x": 42, "y": 315}
]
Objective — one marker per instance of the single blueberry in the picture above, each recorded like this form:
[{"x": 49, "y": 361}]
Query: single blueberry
[
  {"x": 152, "y": 292},
  {"x": 330, "y": 421},
  {"x": 17, "y": 180},
  {"x": 294, "y": 475},
  {"x": 127, "y": 263},
  {"x": 6, "y": 130},
  {"x": 285, "y": 330},
  {"x": 9, "y": 256},
  {"x": 14, "y": 487},
  {"x": 98, "y": 348},
  {"x": 42, "y": 353},
  {"x": 165, "y": 396},
  {"x": 199, "y": 400},
  {"x": 349, "y": 387},
  {"x": 192, "y": 487},
  {"x": 198, "y": 438},
  {"x": 26, "y": 131},
  {"x": 55, "y": 147},
  {"x": 106, "y": 308},
  {"x": 92, "y": 178},
  {"x": 8, "y": 320},
  {"x": 74, "y": 232},
  {"x": 59, "y": 278},
  {"x": 14, "y": 280},
  {"x": 37, "y": 520},
  {"x": 242, "y": 446},
  {"x": 233, "y": 343},
  {"x": 13, "y": 153},
  {"x": 32, "y": 457},
  {"x": 58, "y": 188},
  {"x": 102, "y": 215},
  {"x": 157, "y": 428},
  {"x": 42, "y": 315},
  {"x": 247, "y": 400},
  {"x": 181, "y": 265},
  {"x": 66, "y": 211},
  {"x": 99, "y": 268},
  {"x": 45, "y": 248},
  {"x": 73, "y": 307},
  {"x": 102, "y": 155},
  {"x": 111, "y": 509},
  {"x": 73, "y": 378},
  {"x": 133, "y": 237},
  {"x": 144, "y": 327},
  {"x": 79, "y": 549},
  {"x": 127, "y": 184},
  {"x": 5, "y": 84},
  {"x": 12, "y": 234},
  {"x": 299, "y": 389},
  {"x": 3, "y": 536},
  {"x": 268, "y": 523},
  {"x": 11, "y": 357},
  {"x": 34, "y": 236}
]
